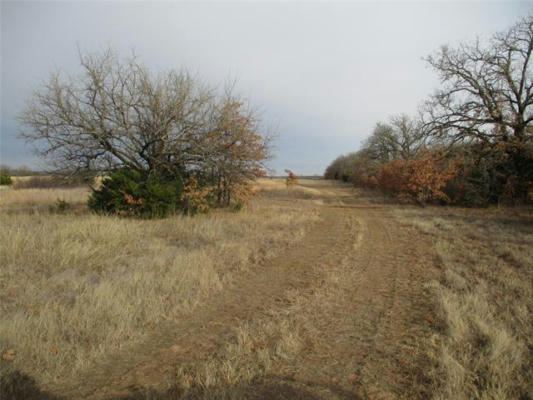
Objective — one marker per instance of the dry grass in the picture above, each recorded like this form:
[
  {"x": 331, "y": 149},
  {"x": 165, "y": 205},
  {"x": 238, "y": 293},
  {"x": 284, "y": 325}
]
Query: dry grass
[
  {"x": 74, "y": 287},
  {"x": 271, "y": 346},
  {"x": 46, "y": 182},
  {"x": 486, "y": 301},
  {"x": 276, "y": 188},
  {"x": 256, "y": 349},
  {"x": 28, "y": 201}
]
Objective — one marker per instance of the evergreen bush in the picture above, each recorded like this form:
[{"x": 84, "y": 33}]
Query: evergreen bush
[
  {"x": 132, "y": 192},
  {"x": 5, "y": 180}
]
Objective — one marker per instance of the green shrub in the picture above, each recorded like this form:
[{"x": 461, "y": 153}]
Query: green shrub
[
  {"x": 138, "y": 193},
  {"x": 5, "y": 179}
]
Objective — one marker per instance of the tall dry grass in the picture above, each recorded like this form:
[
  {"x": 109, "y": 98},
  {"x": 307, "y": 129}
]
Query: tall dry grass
[
  {"x": 74, "y": 287},
  {"x": 271, "y": 345},
  {"x": 277, "y": 188},
  {"x": 256, "y": 348},
  {"x": 486, "y": 301},
  {"x": 38, "y": 200}
]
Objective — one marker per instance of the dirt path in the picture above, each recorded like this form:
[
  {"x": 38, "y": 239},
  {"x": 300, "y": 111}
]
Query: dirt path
[
  {"x": 372, "y": 322},
  {"x": 376, "y": 326}
]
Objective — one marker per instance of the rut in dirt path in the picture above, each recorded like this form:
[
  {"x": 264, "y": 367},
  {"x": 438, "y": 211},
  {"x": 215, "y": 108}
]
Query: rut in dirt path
[
  {"x": 375, "y": 323},
  {"x": 363, "y": 276}
]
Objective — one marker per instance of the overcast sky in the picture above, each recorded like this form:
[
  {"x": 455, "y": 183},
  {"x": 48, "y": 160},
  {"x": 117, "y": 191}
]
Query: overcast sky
[{"x": 322, "y": 73}]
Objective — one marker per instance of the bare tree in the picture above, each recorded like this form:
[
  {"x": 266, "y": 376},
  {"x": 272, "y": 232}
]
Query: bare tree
[
  {"x": 487, "y": 91},
  {"x": 382, "y": 145},
  {"x": 116, "y": 113},
  {"x": 400, "y": 138},
  {"x": 408, "y": 135}
]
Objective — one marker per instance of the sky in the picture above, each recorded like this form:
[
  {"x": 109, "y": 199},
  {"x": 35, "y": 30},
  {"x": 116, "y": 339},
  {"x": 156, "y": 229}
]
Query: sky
[{"x": 320, "y": 73}]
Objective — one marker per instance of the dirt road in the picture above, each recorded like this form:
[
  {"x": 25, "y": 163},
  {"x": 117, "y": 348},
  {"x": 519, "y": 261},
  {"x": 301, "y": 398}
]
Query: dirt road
[{"x": 365, "y": 317}]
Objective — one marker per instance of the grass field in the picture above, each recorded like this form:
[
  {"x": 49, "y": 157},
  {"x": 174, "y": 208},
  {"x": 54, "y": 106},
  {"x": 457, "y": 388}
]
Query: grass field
[
  {"x": 485, "y": 300},
  {"x": 75, "y": 286},
  {"x": 314, "y": 291}
]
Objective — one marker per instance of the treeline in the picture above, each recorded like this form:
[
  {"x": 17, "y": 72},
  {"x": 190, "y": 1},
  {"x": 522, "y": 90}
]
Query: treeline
[
  {"x": 164, "y": 142},
  {"x": 19, "y": 171},
  {"x": 472, "y": 141}
]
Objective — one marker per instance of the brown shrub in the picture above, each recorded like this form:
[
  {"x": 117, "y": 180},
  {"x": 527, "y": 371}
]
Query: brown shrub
[
  {"x": 291, "y": 178},
  {"x": 421, "y": 180}
]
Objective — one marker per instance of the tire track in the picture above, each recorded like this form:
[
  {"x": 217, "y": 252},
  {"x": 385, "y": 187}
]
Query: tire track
[{"x": 368, "y": 351}]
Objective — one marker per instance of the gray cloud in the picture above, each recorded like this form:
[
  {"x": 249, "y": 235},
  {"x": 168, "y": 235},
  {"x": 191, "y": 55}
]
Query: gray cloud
[{"x": 323, "y": 73}]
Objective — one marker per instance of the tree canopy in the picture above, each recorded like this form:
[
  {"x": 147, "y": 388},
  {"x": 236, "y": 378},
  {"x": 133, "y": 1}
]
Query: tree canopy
[{"x": 487, "y": 88}]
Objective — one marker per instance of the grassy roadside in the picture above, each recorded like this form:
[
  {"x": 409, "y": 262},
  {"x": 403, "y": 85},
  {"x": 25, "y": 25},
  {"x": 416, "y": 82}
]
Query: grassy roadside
[
  {"x": 486, "y": 300},
  {"x": 75, "y": 286}
]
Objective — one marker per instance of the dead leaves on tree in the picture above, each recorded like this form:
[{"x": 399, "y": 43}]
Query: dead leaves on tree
[
  {"x": 292, "y": 179},
  {"x": 195, "y": 197},
  {"x": 420, "y": 180}
]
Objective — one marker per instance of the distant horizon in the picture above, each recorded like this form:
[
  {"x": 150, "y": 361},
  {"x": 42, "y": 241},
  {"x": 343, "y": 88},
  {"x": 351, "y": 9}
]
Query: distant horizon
[
  {"x": 323, "y": 74},
  {"x": 24, "y": 168}
]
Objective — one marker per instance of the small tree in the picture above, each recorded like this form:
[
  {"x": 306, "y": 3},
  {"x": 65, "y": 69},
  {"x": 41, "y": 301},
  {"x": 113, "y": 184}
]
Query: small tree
[
  {"x": 195, "y": 197},
  {"x": 237, "y": 151},
  {"x": 291, "y": 179}
]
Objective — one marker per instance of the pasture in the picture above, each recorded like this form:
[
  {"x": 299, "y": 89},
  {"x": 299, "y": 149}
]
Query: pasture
[{"x": 315, "y": 291}]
